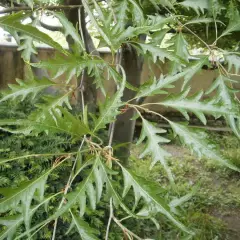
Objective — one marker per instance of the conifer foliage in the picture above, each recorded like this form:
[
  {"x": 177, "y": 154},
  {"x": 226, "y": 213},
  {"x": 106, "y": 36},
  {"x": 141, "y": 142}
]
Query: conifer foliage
[{"x": 96, "y": 174}]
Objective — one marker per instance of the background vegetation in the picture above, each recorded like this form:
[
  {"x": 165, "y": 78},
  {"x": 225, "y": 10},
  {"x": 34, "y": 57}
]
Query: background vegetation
[{"x": 71, "y": 171}]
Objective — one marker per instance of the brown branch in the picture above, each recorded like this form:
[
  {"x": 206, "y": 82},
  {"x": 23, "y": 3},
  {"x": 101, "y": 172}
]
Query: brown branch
[
  {"x": 51, "y": 28},
  {"x": 48, "y": 27},
  {"x": 25, "y": 8}
]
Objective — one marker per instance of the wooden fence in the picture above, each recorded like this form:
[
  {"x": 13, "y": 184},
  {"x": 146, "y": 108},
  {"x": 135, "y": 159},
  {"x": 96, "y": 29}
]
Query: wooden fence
[{"x": 12, "y": 67}]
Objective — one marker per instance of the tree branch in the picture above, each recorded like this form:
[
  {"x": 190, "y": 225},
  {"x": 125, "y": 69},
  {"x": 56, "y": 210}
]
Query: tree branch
[
  {"x": 26, "y": 8},
  {"x": 48, "y": 27},
  {"x": 51, "y": 28}
]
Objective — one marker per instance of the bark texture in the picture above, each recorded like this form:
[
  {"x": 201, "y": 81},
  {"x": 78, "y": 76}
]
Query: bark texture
[
  {"x": 124, "y": 126},
  {"x": 89, "y": 88}
]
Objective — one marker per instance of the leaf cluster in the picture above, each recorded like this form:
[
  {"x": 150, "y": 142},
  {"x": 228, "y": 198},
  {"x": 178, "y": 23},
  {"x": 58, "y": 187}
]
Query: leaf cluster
[{"x": 92, "y": 172}]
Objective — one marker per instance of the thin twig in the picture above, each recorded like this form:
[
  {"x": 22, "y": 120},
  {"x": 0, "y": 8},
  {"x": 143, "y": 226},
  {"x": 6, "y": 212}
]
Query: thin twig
[
  {"x": 66, "y": 189},
  {"x": 70, "y": 180},
  {"x": 110, "y": 219},
  {"x": 214, "y": 129},
  {"x": 112, "y": 125},
  {"x": 80, "y": 29},
  {"x": 229, "y": 76},
  {"x": 148, "y": 111},
  {"x": 36, "y": 155},
  {"x": 125, "y": 230},
  {"x": 111, "y": 132},
  {"x": 26, "y": 8},
  {"x": 224, "y": 129},
  {"x": 45, "y": 201},
  {"x": 125, "y": 218},
  {"x": 113, "y": 13},
  {"x": 189, "y": 30}
]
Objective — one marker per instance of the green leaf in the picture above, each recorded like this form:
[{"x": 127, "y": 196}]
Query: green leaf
[
  {"x": 116, "y": 34},
  {"x": 23, "y": 196},
  {"x": 148, "y": 192},
  {"x": 71, "y": 65},
  {"x": 27, "y": 47},
  {"x": 111, "y": 192},
  {"x": 84, "y": 230},
  {"x": 226, "y": 96},
  {"x": 233, "y": 61},
  {"x": 201, "y": 20},
  {"x": 26, "y": 44},
  {"x": 137, "y": 12},
  {"x": 149, "y": 88},
  {"x": 9, "y": 22},
  {"x": 156, "y": 52},
  {"x": 50, "y": 103},
  {"x": 215, "y": 8},
  {"x": 163, "y": 3},
  {"x": 156, "y": 86},
  {"x": 26, "y": 88},
  {"x": 109, "y": 109},
  {"x": 193, "y": 104},
  {"x": 152, "y": 147},
  {"x": 234, "y": 22},
  {"x": 85, "y": 191},
  {"x": 13, "y": 222},
  {"x": 69, "y": 29},
  {"x": 95, "y": 179},
  {"x": 121, "y": 8},
  {"x": 28, "y": 2},
  {"x": 59, "y": 120},
  {"x": 153, "y": 23},
  {"x": 178, "y": 202},
  {"x": 103, "y": 31},
  {"x": 194, "y": 68},
  {"x": 198, "y": 142},
  {"x": 79, "y": 195},
  {"x": 180, "y": 49},
  {"x": 158, "y": 36},
  {"x": 197, "y": 5}
]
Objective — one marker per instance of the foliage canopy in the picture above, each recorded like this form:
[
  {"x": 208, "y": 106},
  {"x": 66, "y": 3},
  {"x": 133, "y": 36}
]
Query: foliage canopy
[{"x": 95, "y": 172}]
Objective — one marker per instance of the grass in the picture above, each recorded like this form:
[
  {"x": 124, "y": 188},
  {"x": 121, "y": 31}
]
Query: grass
[{"x": 214, "y": 209}]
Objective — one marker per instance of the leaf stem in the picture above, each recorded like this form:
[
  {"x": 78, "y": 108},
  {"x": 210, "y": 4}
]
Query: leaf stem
[
  {"x": 46, "y": 200},
  {"x": 125, "y": 230},
  {"x": 188, "y": 29},
  {"x": 66, "y": 189},
  {"x": 110, "y": 219},
  {"x": 36, "y": 155},
  {"x": 148, "y": 111}
]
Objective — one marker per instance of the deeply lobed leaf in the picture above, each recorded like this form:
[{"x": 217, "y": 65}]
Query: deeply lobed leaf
[
  {"x": 194, "y": 104},
  {"x": 22, "y": 196},
  {"x": 26, "y": 88},
  {"x": 70, "y": 65},
  {"x": 152, "y": 147},
  {"x": 226, "y": 96},
  {"x": 12, "y": 23},
  {"x": 109, "y": 109},
  {"x": 153, "y": 203},
  {"x": 59, "y": 120},
  {"x": 197, "y": 141}
]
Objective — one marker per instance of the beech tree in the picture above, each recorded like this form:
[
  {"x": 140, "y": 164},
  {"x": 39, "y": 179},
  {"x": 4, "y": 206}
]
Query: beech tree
[{"x": 133, "y": 30}]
